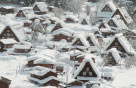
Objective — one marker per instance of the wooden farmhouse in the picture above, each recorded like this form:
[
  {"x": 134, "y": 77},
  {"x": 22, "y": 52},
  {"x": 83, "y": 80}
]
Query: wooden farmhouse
[
  {"x": 83, "y": 41},
  {"x": 84, "y": 21},
  {"x": 113, "y": 57},
  {"x": 120, "y": 43},
  {"x": 20, "y": 14},
  {"x": 124, "y": 15},
  {"x": 6, "y": 10},
  {"x": 7, "y": 43},
  {"x": 116, "y": 23},
  {"x": 45, "y": 77},
  {"x": 87, "y": 71},
  {"x": 45, "y": 62},
  {"x": 22, "y": 47},
  {"x": 63, "y": 33},
  {"x": 4, "y": 82},
  {"x": 107, "y": 11},
  {"x": 106, "y": 30},
  {"x": 40, "y": 8},
  {"x": 16, "y": 34},
  {"x": 27, "y": 23},
  {"x": 57, "y": 26},
  {"x": 24, "y": 12},
  {"x": 71, "y": 19},
  {"x": 31, "y": 60}
]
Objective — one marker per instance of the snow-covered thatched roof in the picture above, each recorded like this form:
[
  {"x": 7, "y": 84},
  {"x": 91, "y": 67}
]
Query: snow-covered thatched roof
[
  {"x": 123, "y": 41},
  {"x": 125, "y": 15},
  {"x": 118, "y": 22},
  {"x": 8, "y": 41},
  {"x": 41, "y": 82},
  {"x": 45, "y": 60},
  {"x": 40, "y": 71},
  {"x": 42, "y": 6},
  {"x": 88, "y": 58},
  {"x": 83, "y": 38},
  {"x": 106, "y": 14},
  {"x": 17, "y": 30},
  {"x": 115, "y": 54},
  {"x": 23, "y": 45},
  {"x": 64, "y": 31}
]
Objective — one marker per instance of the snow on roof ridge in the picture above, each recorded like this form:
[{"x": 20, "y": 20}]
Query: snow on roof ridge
[
  {"x": 123, "y": 41},
  {"x": 44, "y": 80},
  {"x": 45, "y": 59},
  {"x": 42, "y": 71},
  {"x": 88, "y": 58}
]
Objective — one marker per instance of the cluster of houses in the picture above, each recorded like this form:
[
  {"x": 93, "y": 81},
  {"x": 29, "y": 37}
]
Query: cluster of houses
[{"x": 76, "y": 40}]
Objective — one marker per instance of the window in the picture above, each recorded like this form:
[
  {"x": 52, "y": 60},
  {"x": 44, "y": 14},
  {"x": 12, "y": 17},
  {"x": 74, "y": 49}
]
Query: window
[
  {"x": 8, "y": 34},
  {"x": 8, "y": 30},
  {"x": 116, "y": 43},
  {"x": 90, "y": 73},
  {"x": 84, "y": 73},
  {"x": 11, "y": 35},
  {"x": 87, "y": 69}
]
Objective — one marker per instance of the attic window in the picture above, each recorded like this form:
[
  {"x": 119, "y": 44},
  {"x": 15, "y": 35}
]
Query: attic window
[
  {"x": 87, "y": 69},
  {"x": 84, "y": 73},
  {"x": 106, "y": 9},
  {"x": 90, "y": 73},
  {"x": 116, "y": 43},
  {"x": 8, "y": 30},
  {"x": 111, "y": 23}
]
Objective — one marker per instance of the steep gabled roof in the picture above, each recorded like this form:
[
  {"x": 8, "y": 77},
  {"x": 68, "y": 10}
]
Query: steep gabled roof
[
  {"x": 88, "y": 58},
  {"x": 124, "y": 43},
  {"x": 42, "y": 6},
  {"x": 83, "y": 38},
  {"x": 18, "y": 32},
  {"x": 119, "y": 24},
  {"x": 124, "y": 14},
  {"x": 105, "y": 14},
  {"x": 104, "y": 25}
]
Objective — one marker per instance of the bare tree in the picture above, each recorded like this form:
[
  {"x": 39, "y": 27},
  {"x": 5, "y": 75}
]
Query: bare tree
[
  {"x": 130, "y": 61},
  {"x": 58, "y": 12},
  {"x": 36, "y": 29},
  {"x": 87, "y": 8}
]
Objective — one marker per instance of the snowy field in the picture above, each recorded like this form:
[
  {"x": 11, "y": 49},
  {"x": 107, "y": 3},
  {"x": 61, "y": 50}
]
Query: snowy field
[{"x": 13, "y": 67}]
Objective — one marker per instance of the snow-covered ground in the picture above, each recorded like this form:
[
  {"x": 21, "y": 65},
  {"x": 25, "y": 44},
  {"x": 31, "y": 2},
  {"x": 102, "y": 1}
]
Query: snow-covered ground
[{"x": 13, "y": 67}]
